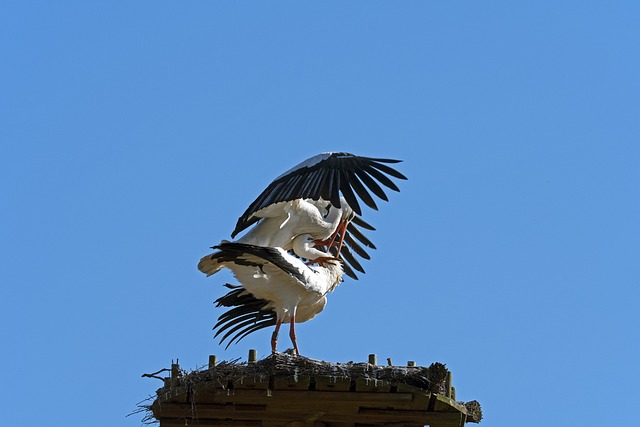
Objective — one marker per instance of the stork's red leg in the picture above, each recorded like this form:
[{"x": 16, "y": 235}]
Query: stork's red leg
[
  {"x": 331, "y": 241},
  {"x": 328, "y": 242},
  {"x": 343, "y": 229},
  {"x": 274, "y": 336},
  {"x": 335, "y": 234},
  {"x": 292, "y": 335}
]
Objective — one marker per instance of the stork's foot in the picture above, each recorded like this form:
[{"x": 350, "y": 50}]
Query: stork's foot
[
  {"x": 291, "y": 352},
  {"x": 322, "y": 260}
]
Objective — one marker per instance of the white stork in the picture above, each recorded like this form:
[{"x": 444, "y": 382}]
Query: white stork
[
  {"x": 273, "y": 282},
  {"x": 318, "y": 197}
]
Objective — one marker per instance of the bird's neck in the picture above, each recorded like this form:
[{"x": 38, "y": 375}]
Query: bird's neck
[{"x": 334, "y": 271}]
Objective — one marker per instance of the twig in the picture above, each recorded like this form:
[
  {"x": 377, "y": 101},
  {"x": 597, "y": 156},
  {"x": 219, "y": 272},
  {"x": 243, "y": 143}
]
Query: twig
[{"x": 155, "y": 374}]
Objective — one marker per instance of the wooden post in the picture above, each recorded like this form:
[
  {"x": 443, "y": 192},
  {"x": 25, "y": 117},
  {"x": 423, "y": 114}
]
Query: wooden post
[
  {"x": 453, "y": 392},
  {"x": 447, "y": 384},
  {"x": 411, "y": 364},
  {"x": 175, "y": 371},
  {"x": 213, "y": 361},
  {"x": 253, "y": 355},
  {"x": 373, "y": 359}
]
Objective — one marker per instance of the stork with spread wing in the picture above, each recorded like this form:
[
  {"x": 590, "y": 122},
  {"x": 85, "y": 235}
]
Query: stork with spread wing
[
  {"x": 318, "y": 197},
  {"x": 314, "y": 204}
]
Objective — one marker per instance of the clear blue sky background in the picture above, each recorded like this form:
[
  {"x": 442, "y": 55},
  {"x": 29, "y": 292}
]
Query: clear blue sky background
[{"x": 133, "y": 134}]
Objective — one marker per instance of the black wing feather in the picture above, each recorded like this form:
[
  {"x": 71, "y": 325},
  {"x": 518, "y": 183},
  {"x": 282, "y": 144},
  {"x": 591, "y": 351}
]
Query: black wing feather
[
  {"x": 326, "y": 186},
  {"x": 386, "y": 169},
  {"x": 256, "y": 327},
  {"x": 362, "y": 223},
  {"x": 345, "y": 266},
  {"x": 349, "y": 241},
  {"x": 362, "y": 192},
  {"x": 335, "y": 190},
  {"x": 238, "y": 329},
  {"x": 331, "y": 175},
  {"x": 248, "y": 314},
  {"x": 238, "y": 320},
  {"x": 355, "y": 232},
  {"x": 384, "y": 180},
  {"x": 347, "y": 192},
  {"x": 350, "y": 259},
  {"x": 372, "y": 185}
]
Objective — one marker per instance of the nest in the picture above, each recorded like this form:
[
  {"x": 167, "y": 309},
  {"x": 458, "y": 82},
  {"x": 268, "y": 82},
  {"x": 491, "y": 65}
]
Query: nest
[
  {"x": 282, "y": 365},
  {"x": 226, "y": 373}
]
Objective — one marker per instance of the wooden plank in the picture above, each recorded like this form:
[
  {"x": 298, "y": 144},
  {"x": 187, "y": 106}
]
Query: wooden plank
[
  {"x": 420, "y": 397},
  {"x": 292, "y": 382},
  {"x": 443, "y": 419},
  {"x": 175, "y": 394},
  {"x": 289, "y": 398},
  {"x": 391, "y": 415},
  {"x": 217, "y": 411},
  {"x": 368, "y": 416},
  {"x": 445, "y": 404},
  {"x": 175, "y": 422},
  {"x": 372, "y": 385},
  {"x": 314, "y": 416},
  {"x": 257, "y": 382},
  {"x": 305, "y": 424},
  {"x": 284, "y": 405},
  {"x": 330, "y": 383},
  {"x": 291, "y": 403},
  {"x": 258, "y": 396},
  {"x": 433, "y": 419}
]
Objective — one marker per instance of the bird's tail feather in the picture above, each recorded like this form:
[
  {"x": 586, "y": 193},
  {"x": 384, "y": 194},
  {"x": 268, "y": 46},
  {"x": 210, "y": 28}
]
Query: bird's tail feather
[{"x": 209, "y": 265}]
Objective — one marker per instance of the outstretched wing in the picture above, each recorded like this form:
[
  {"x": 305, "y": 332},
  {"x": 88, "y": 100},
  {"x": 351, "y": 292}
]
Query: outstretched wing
[{"x": 327, "y": 176}]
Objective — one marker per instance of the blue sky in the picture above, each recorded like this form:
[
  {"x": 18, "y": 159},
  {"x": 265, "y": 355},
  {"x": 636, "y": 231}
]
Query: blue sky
[{"x": 133, "y": 135}]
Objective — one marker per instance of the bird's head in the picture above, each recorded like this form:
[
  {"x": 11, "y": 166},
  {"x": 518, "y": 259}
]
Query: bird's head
[{"x": 303, "y": 242}]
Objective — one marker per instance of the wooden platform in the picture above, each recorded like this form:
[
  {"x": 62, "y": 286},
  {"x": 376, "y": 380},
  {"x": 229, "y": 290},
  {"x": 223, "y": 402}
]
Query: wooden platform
[{"x": 297, "y": 395}]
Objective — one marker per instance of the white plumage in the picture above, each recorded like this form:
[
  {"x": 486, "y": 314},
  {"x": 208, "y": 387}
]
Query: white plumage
[
  {"x": 293, "y": 290},
  {"x": 283, "y": 221}
]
